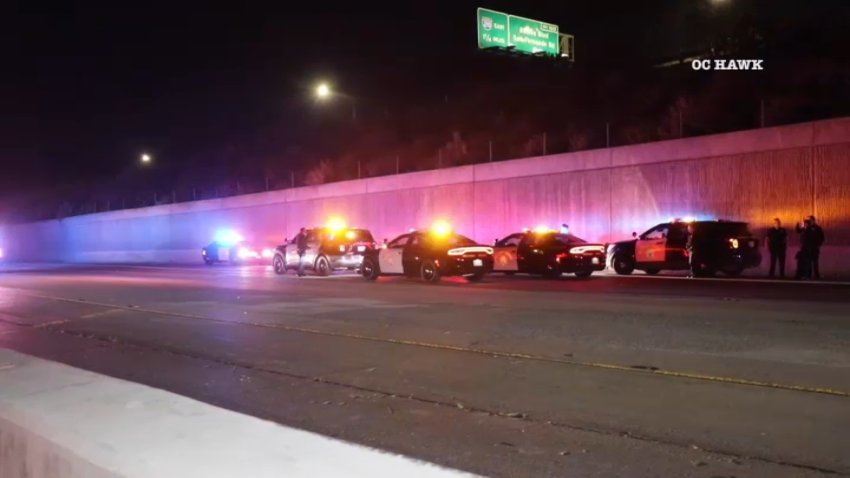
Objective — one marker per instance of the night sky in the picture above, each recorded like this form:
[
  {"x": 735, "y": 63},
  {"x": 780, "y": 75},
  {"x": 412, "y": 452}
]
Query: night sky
[{"x": 87, "y": 86}]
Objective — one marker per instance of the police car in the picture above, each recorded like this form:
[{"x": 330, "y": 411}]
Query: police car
[
  {"x": 329, "y": 248},
  {"x": 724, "y": 246},
  {"x": 547, "y": 252},
  {"x": 229, "y": 246},
  {"x": 430, "y": 254}
]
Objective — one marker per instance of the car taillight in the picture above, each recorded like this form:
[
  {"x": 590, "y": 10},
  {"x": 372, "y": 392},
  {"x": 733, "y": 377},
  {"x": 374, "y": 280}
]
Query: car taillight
[
  {"x": 733, "y": 243},
  {"x": 456, "y": 252},
  {"x": 583, "y": 249}
]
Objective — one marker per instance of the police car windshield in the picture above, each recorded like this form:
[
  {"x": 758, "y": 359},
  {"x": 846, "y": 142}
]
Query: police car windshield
[
  {"x": 558, "y": 239},
  {"x": 349, "y": 235},
  {"x": 569, "y": 239},
  {"x": 451, "y": 240}
]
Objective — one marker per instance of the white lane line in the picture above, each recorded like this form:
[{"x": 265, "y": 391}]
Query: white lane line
[{"x": 82, "y": 419}]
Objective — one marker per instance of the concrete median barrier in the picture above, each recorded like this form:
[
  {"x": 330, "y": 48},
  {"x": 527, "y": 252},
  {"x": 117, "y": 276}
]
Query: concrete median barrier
[{"x": 57, "y": 421}]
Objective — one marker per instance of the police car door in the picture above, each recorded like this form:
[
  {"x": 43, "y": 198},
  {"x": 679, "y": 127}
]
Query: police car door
[
  {"x": 389, "y": 259},
  {"x": 292, "y": 257},
  {"x": 292, "y": 252},
  {"x": 651, "y": 247},
  {"x": 677, "y": 239},
  {"x": 505, "y": 254}
]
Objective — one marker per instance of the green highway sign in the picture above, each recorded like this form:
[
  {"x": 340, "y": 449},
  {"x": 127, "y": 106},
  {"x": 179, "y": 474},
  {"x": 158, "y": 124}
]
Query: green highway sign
[{"x": 500, "y": 30}]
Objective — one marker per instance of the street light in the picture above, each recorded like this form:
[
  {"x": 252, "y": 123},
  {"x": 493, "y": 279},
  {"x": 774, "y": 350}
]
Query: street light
[
  {"x": 146, "y": 158},
  {"x": 323, "y": 91}
]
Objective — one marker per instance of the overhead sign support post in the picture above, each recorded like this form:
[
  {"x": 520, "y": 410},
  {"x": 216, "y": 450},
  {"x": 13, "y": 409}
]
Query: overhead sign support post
[{"x": 568, "y": 46}]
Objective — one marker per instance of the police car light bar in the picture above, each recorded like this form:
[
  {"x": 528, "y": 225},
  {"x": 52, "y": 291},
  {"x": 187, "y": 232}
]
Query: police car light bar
[
  {"x": 228, "y": 237},
  {"x": 335, "y": 223},
  {"x": 441, "y": 227}
]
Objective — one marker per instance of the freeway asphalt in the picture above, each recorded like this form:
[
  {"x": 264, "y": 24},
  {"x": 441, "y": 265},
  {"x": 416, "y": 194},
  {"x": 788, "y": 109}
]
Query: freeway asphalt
[{"x": 520, "y": 376}]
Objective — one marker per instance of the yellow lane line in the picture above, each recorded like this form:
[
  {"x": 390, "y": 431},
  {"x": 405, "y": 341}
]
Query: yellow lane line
[{"x": 457, "y": 348}]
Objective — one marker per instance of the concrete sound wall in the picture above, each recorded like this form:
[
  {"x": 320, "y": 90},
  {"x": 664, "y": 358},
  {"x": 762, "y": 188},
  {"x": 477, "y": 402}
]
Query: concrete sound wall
[{"x": 604, "y": 195}]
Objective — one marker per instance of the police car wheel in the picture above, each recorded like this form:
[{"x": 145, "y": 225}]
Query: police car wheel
[
  {"x": 584, "y": 274},
  {"x": 369, "y": 269},
  {"x": 323, "y": 267},
  {"x": 208, "y": 261},
  {"x": 623, "y": 266},
  {"x": 652, "y": 272},
  {"x": 429, "y": 271},
  {"x": 734, "y": 272},
  {"x": 279, "y": 265}
]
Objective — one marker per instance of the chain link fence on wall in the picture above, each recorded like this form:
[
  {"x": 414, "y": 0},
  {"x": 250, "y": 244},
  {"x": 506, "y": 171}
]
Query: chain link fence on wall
[{"x": 456, "y": 150}]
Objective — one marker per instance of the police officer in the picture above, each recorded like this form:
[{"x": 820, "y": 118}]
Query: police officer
[
  {"x": 693, "y": 265},
  {"x": 804, "y": 255},
  {"x": 301, "y": 248},
  {"x": 777, "y": 243},
  {"x": 817, "y": 239}
]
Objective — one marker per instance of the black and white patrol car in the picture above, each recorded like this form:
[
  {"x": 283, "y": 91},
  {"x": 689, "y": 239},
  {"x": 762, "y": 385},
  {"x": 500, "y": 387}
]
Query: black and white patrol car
[
  {"x": 328, "y": 249},
  {"x": 429, "y": 255},
  {"x": 549, "y": 253},
  {"x": 235, "y": 252},
  {"x": 724, "y": 246}
]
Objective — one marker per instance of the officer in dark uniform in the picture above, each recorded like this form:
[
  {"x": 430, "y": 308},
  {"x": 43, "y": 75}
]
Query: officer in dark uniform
[
  {"x": 817, "y": 239},
  {"x": 689, "y": 247},
  {"x": 301, "y": 248},
  {"x": 804, "y": 255},
  {"x": 777, "y": 243}
]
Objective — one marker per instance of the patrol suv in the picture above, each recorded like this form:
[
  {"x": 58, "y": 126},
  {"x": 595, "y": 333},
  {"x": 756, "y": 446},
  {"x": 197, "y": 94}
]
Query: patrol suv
[
  {"x": 725, "y": 246},
  {"x": 328, "y": 249}
]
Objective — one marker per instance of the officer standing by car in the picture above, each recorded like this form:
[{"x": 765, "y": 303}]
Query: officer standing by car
[
  {"x": 811, "y": 240},
  {"x": 777, "y": 243},
  {"x": 689, "y": 247},
  {"x": 301, "y": 248},
  {"x": 804, "y": 256}
]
